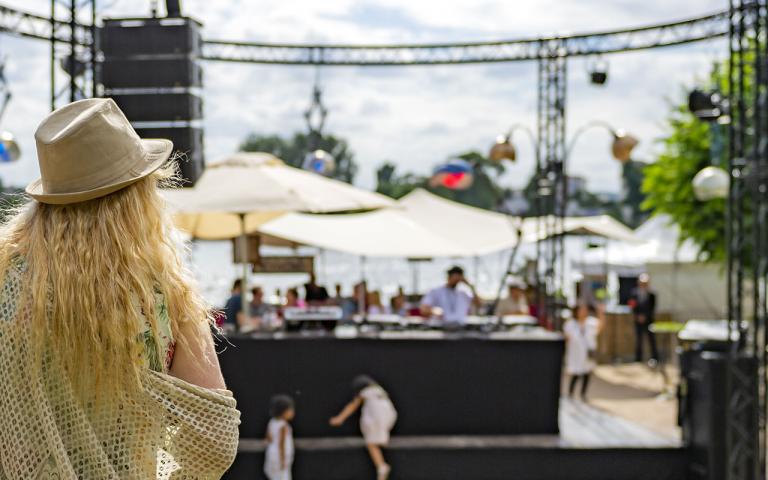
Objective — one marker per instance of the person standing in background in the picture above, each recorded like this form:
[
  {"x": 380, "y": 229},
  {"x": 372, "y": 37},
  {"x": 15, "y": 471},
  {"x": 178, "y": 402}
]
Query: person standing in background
[
  {"x": 643, "y": 303},
  {"x": 515, "y": 302},
  {"x": 315, "y": 294},
  {"x": 233, "y": 309}
]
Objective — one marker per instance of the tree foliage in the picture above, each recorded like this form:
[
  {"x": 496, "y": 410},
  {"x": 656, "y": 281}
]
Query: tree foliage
[
  {"x": 292, "y": 150},
  {"x": 668, "y": 184}
]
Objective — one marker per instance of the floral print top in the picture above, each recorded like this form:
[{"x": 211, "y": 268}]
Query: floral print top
[{"x": 151, "y": 358}]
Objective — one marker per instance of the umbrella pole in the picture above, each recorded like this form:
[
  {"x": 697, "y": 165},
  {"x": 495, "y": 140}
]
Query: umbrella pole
[{"x": 244, "y": 260}]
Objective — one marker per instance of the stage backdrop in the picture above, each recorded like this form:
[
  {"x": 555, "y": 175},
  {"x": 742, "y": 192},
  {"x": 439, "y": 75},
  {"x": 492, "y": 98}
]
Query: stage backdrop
[{"x": 439, "y": 387}]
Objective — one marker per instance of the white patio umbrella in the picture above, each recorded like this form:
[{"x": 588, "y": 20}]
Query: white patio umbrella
[
  {"x": 245, "y": 190},
  {"x": 236, "y": 195}
]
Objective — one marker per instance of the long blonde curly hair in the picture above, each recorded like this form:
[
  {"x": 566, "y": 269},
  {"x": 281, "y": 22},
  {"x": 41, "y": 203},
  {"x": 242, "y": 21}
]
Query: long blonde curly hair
[{"x": 92, "y": 272}]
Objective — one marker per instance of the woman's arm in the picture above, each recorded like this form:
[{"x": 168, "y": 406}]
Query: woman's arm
[
  {"x": 283, "y": 435},
  {"x": 347, "y": 411},
  {"x": 195, "y": 359}
]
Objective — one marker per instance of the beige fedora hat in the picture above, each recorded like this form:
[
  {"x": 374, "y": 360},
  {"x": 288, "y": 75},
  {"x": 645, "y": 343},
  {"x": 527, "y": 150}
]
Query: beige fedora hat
[{"x": 88, "y": 149}]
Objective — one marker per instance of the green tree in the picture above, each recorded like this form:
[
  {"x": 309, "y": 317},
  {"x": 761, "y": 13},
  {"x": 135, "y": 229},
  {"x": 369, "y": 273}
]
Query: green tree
[
  {"x": 292, "y": 150},
  {"x": 668, "y": 184},
  {"x": 389, "y": 183}
]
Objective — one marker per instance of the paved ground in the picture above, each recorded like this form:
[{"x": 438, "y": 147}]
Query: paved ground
[{"x": 635, "y": 392}]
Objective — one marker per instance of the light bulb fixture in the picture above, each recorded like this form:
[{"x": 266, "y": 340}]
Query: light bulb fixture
[
  {"x": 622, "y": 146},
  {"x": 711, "y": 183},
  {"x": 320, "y": 162},
  {"x": 503, "y": 149},
  {"x": 9, "y": 148}
]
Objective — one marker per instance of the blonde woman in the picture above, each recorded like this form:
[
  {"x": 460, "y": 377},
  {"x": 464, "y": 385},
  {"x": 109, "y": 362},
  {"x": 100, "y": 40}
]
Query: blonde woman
[{"x": 107, "y": 363}]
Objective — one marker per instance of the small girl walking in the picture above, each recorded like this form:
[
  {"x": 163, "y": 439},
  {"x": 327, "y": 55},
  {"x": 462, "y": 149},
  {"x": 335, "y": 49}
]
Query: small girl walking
[
  {"x": 279, "y": 453},
  {"x": 581, "y": 333},
  {"x": 377, "y": 418}
]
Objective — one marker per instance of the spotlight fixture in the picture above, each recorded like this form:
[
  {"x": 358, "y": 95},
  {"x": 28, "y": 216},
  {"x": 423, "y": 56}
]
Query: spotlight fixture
[
  {"x": 711, "y": 183},
  {"x": 320, "y": 162},
  {"x": 622, "y": 146},
  {"x": 598, "y": 71},
  {"x": 707, "y": 106},
  {"x": 9, "y": 148},
  {"x": 503, "y": 149},
  {"x": 455, "y": 174}
]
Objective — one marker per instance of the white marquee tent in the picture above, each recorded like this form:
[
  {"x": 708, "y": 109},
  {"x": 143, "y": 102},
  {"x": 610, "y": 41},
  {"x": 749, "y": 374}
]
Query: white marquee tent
[
  {"x": 423, "y": 225},
  {"x": 686, "y": 288}
]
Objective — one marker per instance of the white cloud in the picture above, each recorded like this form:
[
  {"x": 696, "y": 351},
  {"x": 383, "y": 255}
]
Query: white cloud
[{"x": 414, "y": 116}]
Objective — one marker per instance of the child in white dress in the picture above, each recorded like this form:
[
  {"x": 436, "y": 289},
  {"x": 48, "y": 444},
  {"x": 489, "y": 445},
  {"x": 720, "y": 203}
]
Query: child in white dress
[
  {"x": 279, "y": 454},
  {"x": 377, "y": 417},
  {"x": 581, "y": 335}
]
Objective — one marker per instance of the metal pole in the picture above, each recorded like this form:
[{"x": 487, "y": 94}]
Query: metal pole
[
  {"x": 243, "y": 240},
  {"x": 72, "y": 47},
  {"x": 53, "y": 55}
]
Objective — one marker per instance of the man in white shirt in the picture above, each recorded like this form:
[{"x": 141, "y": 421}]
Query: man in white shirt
[{"x": 450, "y": 303}]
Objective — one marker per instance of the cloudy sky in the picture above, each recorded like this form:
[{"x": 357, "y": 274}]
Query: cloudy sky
[{"x": 413, "y": 116}]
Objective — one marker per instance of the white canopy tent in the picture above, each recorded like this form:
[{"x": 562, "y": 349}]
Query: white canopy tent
[
  {"x": 686, "y": 288},
  {"x": 477, "y": 231},
  {"x": 423, "y": 225},
  {"x": 384, "y": 233}
]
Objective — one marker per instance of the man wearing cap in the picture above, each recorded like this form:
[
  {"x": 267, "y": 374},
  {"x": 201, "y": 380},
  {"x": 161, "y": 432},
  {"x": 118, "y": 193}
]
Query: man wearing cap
[
  {"x": 515, "y": 303},
  {"x": 450, "y": 303}
]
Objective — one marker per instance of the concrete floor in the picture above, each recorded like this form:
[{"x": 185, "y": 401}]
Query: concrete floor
[{"x": 634, "y": 392}]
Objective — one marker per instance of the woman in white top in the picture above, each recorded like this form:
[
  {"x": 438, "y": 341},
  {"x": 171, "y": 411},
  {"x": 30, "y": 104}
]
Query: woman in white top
[
  {"x": 279, "y": 454},
  {"x": 581, "y": 335},
  {"x": 377, "y": 418}
]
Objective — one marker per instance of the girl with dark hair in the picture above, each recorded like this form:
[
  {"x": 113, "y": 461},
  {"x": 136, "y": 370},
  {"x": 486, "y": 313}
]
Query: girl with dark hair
[
  {"x": 279, "y": 453},
  {"x": 581, "y": 334},
  {"x": 377, "y": 418}
]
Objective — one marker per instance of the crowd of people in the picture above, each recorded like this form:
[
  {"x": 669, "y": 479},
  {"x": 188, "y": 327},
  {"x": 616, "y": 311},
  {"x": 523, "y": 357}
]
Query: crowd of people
[{"x": 450, "y": 303}]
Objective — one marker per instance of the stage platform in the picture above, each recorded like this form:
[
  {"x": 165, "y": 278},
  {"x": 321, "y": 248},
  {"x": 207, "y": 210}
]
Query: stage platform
[
  {"x": 592, "y": 445},
  {"x": 442, "y": 384}
]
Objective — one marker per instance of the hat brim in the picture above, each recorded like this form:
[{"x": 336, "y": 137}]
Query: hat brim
[{"x": 158, "y": 151}]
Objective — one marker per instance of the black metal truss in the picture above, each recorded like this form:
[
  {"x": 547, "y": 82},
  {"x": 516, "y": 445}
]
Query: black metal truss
[
  {"x": 746, "y": 241},
  {"x": 677, "y": 33},
  {"x": 24, "y": 24},
  {"x": 73, "y": 59},
  {"x": 551, "y": 102}
]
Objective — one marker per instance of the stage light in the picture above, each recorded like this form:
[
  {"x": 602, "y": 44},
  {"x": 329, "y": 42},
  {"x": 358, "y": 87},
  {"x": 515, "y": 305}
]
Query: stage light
[
  {"x": 598, "y": 72},
  {"x": 622, "y": 145},
  {"x": 320, "y": 162},
  {"x": 711, "y": 183},
  {"x": 74, "y": 66},
  {"x": 705, "y": 106},
  {"x": 503, "y": 149},
  {"x": 456, "y": 174},
  {"x": 9, "y": 148}
]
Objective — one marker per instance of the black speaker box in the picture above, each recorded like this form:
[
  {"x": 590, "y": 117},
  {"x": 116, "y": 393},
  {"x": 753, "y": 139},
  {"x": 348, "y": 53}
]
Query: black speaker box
[
  {"x": 152, "y": 107},
  {"x": 703, "y": 410},
  {"x": 125, "y": 38},
  {"x": 154, "y": 73}
]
